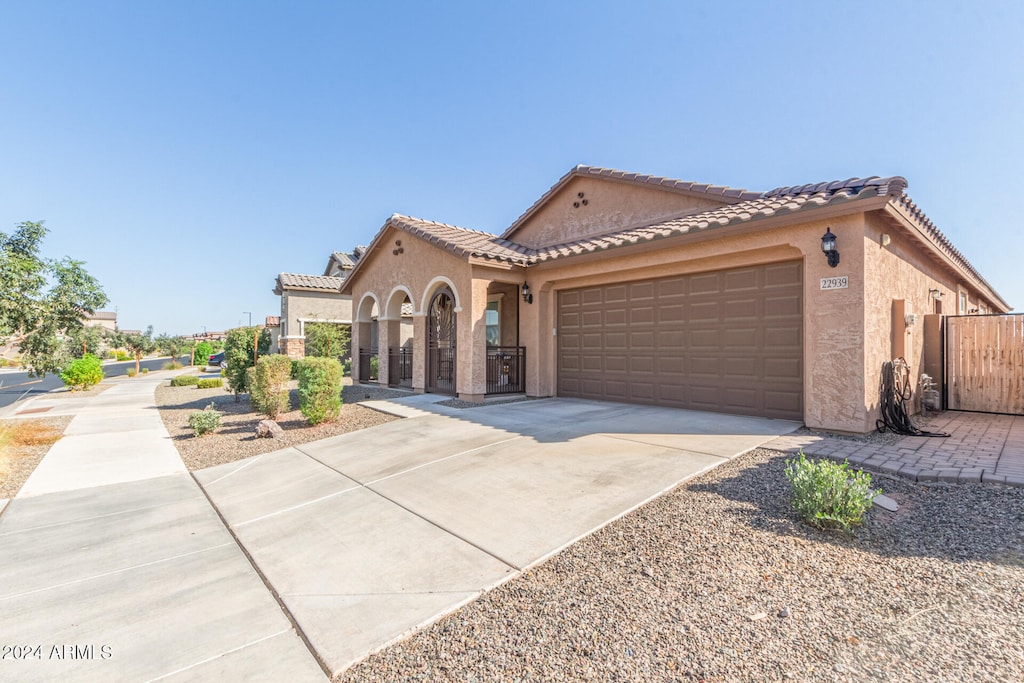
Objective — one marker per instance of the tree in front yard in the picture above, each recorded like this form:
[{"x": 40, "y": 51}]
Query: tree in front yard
[
  {"x": 42, "y": 299},
  {"x": 241, "y": 347},
  {"x": 326, "y": 340},
  {"x": 138, "y": 343}
]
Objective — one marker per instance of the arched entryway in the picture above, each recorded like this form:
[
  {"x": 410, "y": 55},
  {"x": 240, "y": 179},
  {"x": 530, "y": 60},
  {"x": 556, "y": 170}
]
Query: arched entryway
[{"x": 441, "y": 352}]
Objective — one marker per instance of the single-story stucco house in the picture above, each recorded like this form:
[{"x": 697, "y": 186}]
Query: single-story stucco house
[{"x": 626, "y": 287}]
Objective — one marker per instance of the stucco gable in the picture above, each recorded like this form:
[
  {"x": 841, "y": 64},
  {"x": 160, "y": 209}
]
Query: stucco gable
[{"x": 591, "y": 201}]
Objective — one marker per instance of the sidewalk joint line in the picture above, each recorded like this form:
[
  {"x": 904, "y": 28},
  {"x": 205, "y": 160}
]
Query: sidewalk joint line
[
  {"x": 237, "y": 470},
  {"x": 112, "y": 572},
  {"x": 218, "y": 656},
  {"x": 295, "y": 507}
]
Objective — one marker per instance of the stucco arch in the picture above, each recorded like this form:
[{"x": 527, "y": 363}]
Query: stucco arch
[
  {"x": 436, "y": 284},
  {"x": 393, "y": 309},
  {"x": 364, "y": 312}
]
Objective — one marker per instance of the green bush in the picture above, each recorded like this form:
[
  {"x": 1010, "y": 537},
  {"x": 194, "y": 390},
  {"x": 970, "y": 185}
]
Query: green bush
[
  {"x": 209, "y": 382},
  {"x": 83, "y": 373},
  {"x": 374, "y": 366},
  {"x": 239, "y": 354},
  {"x": 145, "y": 371},
  {"x": 268, "y": 385},
  {"x": 204, "y": 421},
  {"x": 295, "y": 369},
  {"x": 123, "y": 355},
  {"x": 202, "y": 353},
  {"x": 346, "y": 367},
  {"x": 172, "y": 365},
  {"x": 184, "y": 381},
  {"x": 319, "y": 389},
  {"x": 131, "y": 372},
  {"x": 829, "y": 495}
]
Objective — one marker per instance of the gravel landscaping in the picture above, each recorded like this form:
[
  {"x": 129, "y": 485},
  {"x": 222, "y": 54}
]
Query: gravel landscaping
[
  {"x": 18, "y": 461},
  {"x": 235, "y": 439},
  {"x": 719, "y": 581}
]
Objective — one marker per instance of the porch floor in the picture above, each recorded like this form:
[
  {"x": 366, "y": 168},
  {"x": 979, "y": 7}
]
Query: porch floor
[{"x": 981, "y": 447}]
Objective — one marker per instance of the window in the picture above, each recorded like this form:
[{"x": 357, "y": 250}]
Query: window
[
  {"x": 963, "y": 303},
  {"x": 493, "y": 321}
]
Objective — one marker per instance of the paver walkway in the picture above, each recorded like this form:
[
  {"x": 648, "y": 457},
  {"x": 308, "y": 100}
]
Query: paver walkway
[{"x": 981, "y": 447}]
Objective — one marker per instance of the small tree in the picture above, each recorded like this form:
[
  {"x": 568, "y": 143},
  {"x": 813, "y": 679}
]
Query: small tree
[
  {"x": 202, "y": 353},
  {"x": 239, "y": 354},
  {"x": 172, "y": 346},
  {"x": 268, "y": 391},
  {"x": 139, "y": 344},
  {"x": 319, "y": 389},
  {"x": 83, "y": 373},
  {"x": 327, "y": 340}
]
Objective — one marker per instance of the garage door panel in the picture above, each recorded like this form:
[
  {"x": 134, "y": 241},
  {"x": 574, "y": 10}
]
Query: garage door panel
[{"x": 728, "y": 341}]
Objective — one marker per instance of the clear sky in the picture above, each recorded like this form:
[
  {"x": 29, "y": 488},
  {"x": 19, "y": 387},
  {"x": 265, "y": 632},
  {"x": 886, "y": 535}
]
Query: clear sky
[{"x": 190, "y": 151}]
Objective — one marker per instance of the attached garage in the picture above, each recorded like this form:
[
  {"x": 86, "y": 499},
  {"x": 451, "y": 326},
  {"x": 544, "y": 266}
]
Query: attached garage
[{"x": 728, "y": 341}]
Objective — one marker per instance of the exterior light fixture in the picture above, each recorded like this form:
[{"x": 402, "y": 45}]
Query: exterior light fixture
[
  {"x": 828, "y": 245},
  {"x": 527, "y": 295},
  {"x": 935, "y": 294}
]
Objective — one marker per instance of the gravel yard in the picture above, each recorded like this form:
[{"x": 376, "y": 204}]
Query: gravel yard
[
  {"x": 719, "y": 581},
  {"x": 236, "y": 437},
  {"x": 19, "y": 460}
]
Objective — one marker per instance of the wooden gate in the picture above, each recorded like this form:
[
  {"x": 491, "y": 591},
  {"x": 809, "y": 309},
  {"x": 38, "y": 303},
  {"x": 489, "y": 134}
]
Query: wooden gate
[{"x": 985, "y": 363}]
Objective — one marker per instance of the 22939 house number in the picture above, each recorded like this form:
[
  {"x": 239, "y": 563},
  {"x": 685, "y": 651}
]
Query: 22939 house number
[{"x": 842, "y": 282}]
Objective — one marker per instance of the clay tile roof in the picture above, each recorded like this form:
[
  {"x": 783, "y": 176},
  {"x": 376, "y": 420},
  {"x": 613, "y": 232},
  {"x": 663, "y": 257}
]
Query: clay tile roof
[
  {"x": 463, "y": 241},
  {"x": 320, "y": 283}
]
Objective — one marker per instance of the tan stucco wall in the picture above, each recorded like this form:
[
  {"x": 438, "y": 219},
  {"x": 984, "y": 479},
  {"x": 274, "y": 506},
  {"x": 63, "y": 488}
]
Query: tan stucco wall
[
  {"x": 416, "y": 270},
  {"x": 610, "y": 206},
  {"x": 900, "y": 271},
  {"x": 297, "y": 306}
]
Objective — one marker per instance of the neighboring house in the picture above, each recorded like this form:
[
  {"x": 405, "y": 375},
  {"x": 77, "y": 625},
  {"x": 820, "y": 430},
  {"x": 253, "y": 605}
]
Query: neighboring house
[
  {"x": 634, "y": 288},
  {"x": 105, "y": 319},
  {"x": 313, "y": 298}
]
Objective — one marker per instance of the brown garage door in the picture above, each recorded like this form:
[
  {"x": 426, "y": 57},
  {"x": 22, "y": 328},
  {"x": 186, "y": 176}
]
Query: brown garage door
[{"x": 728, "y": 341}]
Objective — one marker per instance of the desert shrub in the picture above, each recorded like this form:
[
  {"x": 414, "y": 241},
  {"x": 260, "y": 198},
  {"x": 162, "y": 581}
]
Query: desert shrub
[
  {"x": 319, "y": 389},
  {"x": 204, "y": 421},
  {"x": 829, "y": 495},
  {"x": 240, "y": 354},
  {"x": 131, "y": 372},
  {"x": 202, "y": 353},
  {"x": 328, "y": 340},
  {"x": 184, "y": 381},
  {"x": 209, "y": 382},
  {"x": 268, "y": 385},
  {"x": 123, "y": 355},
  {"x": 83, "y": 373},
  {"x": 295, "y": 369},
  {"x": 172, "y": 365},
  {"x": 145, "y": 371},
  {"x": 346, "y": 367}
]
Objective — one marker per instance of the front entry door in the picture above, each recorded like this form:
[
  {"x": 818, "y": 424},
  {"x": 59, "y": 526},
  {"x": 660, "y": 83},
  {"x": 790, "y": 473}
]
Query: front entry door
[{"x": 441, "y": 358}]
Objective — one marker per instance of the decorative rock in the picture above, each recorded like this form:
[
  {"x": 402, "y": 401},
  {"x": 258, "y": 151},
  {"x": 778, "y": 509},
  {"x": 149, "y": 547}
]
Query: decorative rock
[
  {"x": 784, "y": 612},
  {"x": 648, "y": 572},
  {"x": 268, "y": 429},
  {"x": 886, "y": 503}
]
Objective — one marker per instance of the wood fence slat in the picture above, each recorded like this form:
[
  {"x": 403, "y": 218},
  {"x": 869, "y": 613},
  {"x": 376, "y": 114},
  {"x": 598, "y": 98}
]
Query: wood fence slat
[{"x": 985, "y": 363}]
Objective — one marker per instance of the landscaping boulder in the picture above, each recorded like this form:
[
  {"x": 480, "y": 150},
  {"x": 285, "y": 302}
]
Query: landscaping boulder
[{"x": 268, "y": 429}]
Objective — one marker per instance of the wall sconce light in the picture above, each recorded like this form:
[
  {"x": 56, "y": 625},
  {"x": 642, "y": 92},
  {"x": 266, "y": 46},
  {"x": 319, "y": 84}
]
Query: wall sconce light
[
  {"x": 886, "y": 240},
  {"x": 935, "y": 294},
  {"x": 527, "y": 295},
  {"x": 828, "y": 245},
  {"x": 910, "y": 319}
]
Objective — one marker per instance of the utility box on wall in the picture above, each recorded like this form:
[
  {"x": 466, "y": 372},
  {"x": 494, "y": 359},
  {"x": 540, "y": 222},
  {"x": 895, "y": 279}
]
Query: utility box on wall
[{"x": 934, "y": 361}]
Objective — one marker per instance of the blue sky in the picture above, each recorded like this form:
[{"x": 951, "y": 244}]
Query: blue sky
[{"x": 190, "y": 151}]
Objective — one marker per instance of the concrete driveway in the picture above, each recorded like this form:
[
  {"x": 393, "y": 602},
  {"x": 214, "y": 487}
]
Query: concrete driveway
[{"x": 369, "y": 535}]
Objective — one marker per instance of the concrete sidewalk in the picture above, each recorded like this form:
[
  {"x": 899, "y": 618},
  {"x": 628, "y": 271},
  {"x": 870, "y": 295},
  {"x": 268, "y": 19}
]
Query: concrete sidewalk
[
  {"x": 116, "y": 567},
  {"x": 369, "y": 535}
]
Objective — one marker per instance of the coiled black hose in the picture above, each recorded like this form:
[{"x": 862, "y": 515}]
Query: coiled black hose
[{"x": 894, "y": 392}]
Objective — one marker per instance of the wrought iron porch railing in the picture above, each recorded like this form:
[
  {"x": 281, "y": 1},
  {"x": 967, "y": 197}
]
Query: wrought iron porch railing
[{"x": 506, "y": 369}]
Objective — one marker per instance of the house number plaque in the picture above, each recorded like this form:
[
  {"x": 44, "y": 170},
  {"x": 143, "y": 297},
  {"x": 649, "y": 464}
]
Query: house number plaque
[{"x": 842, "y": 282}]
